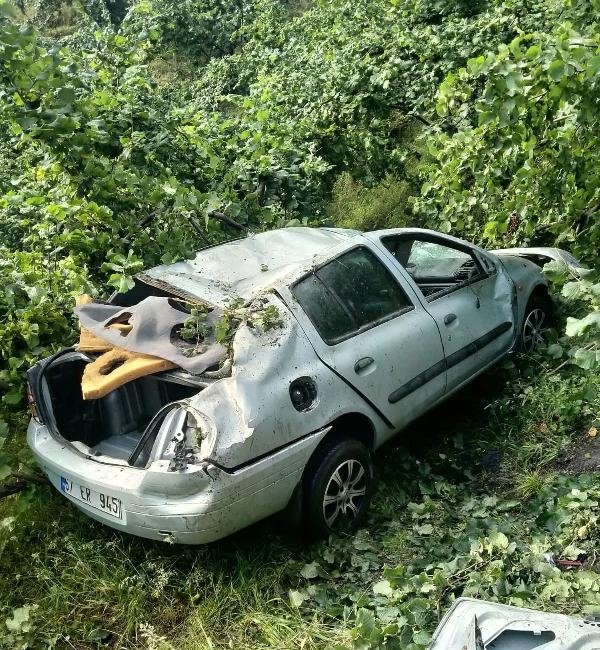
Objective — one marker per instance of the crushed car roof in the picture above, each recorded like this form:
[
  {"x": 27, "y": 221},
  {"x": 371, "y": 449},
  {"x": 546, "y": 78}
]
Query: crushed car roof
[{"x": 245, "y": 267}]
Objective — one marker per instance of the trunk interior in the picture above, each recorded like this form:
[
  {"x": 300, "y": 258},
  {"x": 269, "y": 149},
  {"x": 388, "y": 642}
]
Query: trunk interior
[{"x": 111, "y": 425}]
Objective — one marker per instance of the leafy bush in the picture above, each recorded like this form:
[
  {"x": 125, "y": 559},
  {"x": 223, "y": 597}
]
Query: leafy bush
[
  {"x": 522, "y": 164},
  {"x": 364, "y": 208}
]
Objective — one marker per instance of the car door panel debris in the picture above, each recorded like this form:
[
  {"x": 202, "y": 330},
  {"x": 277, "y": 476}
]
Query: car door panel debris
[{"x": 480, "y": 625}]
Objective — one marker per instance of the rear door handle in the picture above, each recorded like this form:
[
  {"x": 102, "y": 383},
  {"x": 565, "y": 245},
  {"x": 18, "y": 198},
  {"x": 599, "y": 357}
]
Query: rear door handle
[
  {"x": 449, "y": 318},
  {"x": 363, "y": 363}
]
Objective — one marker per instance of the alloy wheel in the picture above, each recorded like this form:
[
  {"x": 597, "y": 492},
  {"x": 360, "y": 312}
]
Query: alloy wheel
[
  {"x": 534, "y": 330},
  {"x": 344, "y": 494}
]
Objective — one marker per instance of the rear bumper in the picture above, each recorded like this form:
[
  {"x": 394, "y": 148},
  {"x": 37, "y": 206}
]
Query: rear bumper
[{"x": 196, "y": 506}]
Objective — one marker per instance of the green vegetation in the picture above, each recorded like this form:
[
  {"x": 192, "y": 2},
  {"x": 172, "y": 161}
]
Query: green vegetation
[{"x": 136, "y": 132}]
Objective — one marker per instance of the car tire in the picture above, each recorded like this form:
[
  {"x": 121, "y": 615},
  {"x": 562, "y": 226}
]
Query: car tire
[
  {"x": 338, "y": 485},
  {"x": 537, "y": 319}
]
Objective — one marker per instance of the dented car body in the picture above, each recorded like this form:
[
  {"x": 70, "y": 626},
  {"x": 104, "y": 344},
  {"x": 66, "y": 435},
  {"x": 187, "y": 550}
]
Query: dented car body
[{"x": 371, "y": 330}]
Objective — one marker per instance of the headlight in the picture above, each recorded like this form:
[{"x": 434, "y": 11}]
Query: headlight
[{"x": 181, "y": 437}]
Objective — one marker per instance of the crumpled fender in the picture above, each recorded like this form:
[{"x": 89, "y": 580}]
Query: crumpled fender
[
  {"x": 251, "y": 413},
  {"x": 527, "y": 276}
]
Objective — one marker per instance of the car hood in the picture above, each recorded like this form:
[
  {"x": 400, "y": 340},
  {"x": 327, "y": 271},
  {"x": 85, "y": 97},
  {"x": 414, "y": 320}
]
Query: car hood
[{"x": 540, "y": 252}]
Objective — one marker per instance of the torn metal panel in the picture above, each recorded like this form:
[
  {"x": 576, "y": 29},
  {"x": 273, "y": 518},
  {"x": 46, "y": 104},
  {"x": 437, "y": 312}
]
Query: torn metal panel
[
  {"x": 154, "y": 325},
  {"x": 480, "y": 625},
  {"x": 526, "y": 277},
  {"x": 541, "y": 255}
]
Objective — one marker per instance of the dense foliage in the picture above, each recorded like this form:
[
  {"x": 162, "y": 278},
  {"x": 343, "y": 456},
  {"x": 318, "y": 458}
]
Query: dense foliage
[{"x": 136, "y": 132}]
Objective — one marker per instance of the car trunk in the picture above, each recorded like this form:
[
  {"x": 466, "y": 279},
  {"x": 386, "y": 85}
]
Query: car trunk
[{"x": 113, "y": 425}]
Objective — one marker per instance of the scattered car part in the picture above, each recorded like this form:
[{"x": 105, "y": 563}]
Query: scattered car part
[{"x": 480, "y": 625}]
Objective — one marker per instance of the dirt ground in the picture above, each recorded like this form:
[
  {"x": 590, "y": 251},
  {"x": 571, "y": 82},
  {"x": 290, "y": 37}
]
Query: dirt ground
[{"x": 585, "y": 455}]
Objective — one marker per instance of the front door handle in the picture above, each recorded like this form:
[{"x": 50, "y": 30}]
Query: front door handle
[
  {"x": 449, "y": 318},
  {"x": 363, "y": 363}
]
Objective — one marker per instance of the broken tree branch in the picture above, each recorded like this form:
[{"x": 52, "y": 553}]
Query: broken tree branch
[
  {"x": 262, "y": 188},
  {"x": 30, "y": 478},
  {"x": 22, "y": 482},
  {"x": 198, "y": 230},
  {"x": 225, "y": 219},
  {"x": 13, "y": 488}
]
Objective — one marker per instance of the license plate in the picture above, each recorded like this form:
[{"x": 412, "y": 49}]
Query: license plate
[{"x": 98, "y": 500}]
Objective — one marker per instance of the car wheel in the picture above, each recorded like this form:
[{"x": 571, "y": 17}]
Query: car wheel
[
  {"x": 338, "y": 485},
  {"x": 535, "y": 323}
]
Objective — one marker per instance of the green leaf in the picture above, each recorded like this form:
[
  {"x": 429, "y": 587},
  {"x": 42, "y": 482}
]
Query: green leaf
[
  {"x": 14, "y": 397},
  {"x": 65, "y": 95},
  {"x": 556, "y": 69},
  {"x": 555, "y": 350},
  {"x": 20, "y": 620},
  {"x": 577, "y": 326},
  {"x": 555, "y": 271},
  {"x": 498, "y": 539},
  {"x": 513, "y": 80},
  {"x": 298, "y": 597},
  {"x": 593, "y": 66},
  {"x": 125, "y": 284},
  {"x": 587, "y": 359},
  {"x": 572, "y": 290},
  {"x": 425, "y": 529},
  {"x": 422, "y": 637},
  {"x": 310, "y": 571},
  {"x": 8, "y": 10},
  {"x": 383, "y": 587}
]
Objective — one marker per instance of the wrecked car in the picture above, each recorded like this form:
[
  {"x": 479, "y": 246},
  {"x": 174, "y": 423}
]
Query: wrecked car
[{"x": 311, "y": 348}]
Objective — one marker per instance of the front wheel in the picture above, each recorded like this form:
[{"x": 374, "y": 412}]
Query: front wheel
[
  {"x": 536, "y": 322},
  {"x": 338, "y": 486}
]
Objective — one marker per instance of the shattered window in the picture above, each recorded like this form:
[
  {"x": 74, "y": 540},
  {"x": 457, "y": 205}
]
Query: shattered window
[
  {"x": 349, "y": 294},
  {"x": 436, "y": 268},
  {"x": 325, "y": 313},
  {"x": 431, "y": 259}
]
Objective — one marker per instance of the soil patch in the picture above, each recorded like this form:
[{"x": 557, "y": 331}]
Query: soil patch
[{"x": 584, "y": 455}]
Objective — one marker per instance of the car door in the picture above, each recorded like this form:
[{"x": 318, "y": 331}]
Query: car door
[
  {"x": 470, "y": 298},
  {"x": 373, "y": 333}
]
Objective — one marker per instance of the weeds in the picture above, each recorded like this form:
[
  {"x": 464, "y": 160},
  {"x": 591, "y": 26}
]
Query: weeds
[
  {"x": 384, "y": 206},
  {"x": 445, "y": 522}
]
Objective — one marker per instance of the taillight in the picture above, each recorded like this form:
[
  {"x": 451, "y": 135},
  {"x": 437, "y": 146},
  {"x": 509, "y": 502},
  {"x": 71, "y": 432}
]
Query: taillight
[{"x": 32, "y": 405}]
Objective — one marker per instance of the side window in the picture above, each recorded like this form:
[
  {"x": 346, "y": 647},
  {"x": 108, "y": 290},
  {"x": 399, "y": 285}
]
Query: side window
[
  {"x": 350, "y": 294},
  {"x": 326, "y": 314},
  {"x": 436, "y": 268},
  {"x": 430, "y": 260}
]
